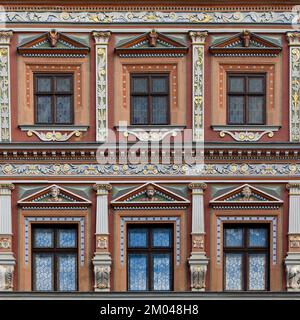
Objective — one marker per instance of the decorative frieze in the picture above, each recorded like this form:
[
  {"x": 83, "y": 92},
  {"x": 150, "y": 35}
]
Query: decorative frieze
[
  {"x": 101, "y": 43},
  {"x": 198, "y": 42}
]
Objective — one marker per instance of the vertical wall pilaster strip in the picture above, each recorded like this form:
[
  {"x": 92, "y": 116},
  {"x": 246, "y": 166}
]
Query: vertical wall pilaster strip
[
  {"x": 197, "y": 207},
  {"x": 5, "y": 209}
]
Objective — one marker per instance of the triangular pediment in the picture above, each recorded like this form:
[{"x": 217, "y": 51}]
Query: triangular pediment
[
  {"x": 245, "y": 43},
  {"x": 53, "y": 196},
  {"x": 154, "y": 43},
  {"x": 246, "y": 194},
  {"x": 53, "y": 43},
  {"x": 149, "y": 194}
]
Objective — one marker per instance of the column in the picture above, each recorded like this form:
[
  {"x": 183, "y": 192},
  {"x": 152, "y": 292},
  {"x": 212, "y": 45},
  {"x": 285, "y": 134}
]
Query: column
[
  {"x": 198, "y": 42},
  {"x": 198, "y": 261},
  {"x": 101, "y": 43},
  {"x": 102, "y": 258},
  {"x": 5, "y": 126},
  {"x": 292, "y": 260},
  {"x": 294, "y": 57},
  {"x": 7, "y": 260}
]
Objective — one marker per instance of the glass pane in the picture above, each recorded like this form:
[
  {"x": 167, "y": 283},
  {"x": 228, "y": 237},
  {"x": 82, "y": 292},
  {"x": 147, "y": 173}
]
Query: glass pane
[
  {"x": 43, "y": 84},
  {"x": 258, "y": 237},
  {"x": 63, "y": 109},
  {"x": 140, "y": 85},
  {"x": 137, "y": 272},
  {"x": 159, "y": 85},
  {"x": 236, "y": 109},
  {"x": 256, "y": 85},
  {"x": 66, "y": 272},
  {"x": 256, "y": 110},
  {"x": 140, "y": 110},
  {"x": 161, "y": 271},
  {"x": 233, "y": 237},
  {"x": 159, "y": 110},
  {"x": 137, "y": 238},
  {"x": 43, "y": 272},
  {"x": 67, "y": 238},
  {"x": 257, "y": 270},
  {"x": 63, "y": 84},
  {"x": 233, "y": 271},
  {"x": 44, "y": 113},
  {"x": 43, "y": 238},
  {"x": 161, "y": 238},
  {"x": 236, "y": 84}
]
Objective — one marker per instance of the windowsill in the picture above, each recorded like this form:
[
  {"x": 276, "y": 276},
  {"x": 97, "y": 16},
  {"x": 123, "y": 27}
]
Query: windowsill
[
  {"x": 65, "y": 127},
  {"x": 246, "y": 127},
  {"x": 160, "y": 127}
]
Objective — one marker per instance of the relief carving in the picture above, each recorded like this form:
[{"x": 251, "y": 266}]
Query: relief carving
[
  {"x": 102, "y": 277},
  {"x": 293, "y": 277},
  {"x": 6, "y": 278},
  {"x": 198, "y": 274}
]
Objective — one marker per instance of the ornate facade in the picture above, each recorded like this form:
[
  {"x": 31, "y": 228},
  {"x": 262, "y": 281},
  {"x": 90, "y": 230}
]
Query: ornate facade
[{"x": 150, "y": 148}]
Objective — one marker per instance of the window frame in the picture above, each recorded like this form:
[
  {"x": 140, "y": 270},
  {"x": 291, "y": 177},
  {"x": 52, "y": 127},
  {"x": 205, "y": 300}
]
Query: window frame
[
  {"x": 149, "y": 251},
  {"x": 245, "y": 250},
  {"x": 246, "y": 96},
  {"x": 55, "y": 251},
  {"x": 149, "y": 96},
  {"x": 53, "y": 93}
]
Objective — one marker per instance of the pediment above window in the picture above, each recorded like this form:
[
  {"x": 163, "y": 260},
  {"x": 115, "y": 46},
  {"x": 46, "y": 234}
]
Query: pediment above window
[
  {"x": 151, "y": 44},
  {"x": 53, "y": 196},
  {"x": 246, "y": 43},
  {"x": 53, "y": 44},
  {"x": 150, "y": 195}
]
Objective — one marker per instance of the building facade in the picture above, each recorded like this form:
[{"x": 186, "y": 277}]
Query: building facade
[{"x": 150, "y": 147}]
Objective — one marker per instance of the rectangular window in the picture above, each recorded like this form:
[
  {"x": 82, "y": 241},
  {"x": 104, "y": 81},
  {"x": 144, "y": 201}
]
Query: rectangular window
[
  {"x": 149, "y": 99},
  {"x": 54, "y": 258},
  {"x": 150, "y": 258},
  {"x": 53, "y": 99},
  {"x": 246, "y": 99},
  {"x": 246, "y": 257}
]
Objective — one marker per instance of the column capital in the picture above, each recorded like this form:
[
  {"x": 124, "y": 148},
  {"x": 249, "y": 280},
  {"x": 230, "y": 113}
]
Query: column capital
[
  {"x": 5, "y": 36},
  {"x": 294, "y": 188},
  {"x": 102, "y": 188},
  {"x": 198, "y": 37},
  {"x": 6, "y": 188},
  {"x": 195, "y": 186},
  {"x": 293, "y": 38},
  {"x": 101, "y": 37}
]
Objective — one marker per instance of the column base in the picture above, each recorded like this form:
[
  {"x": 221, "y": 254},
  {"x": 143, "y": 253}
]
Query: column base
[
  {"x": 102, "y": 263},
  {"x": 7, "y": 263},
  {"x": 292, "y": 263},
  {"x": 198, "y": 266}
]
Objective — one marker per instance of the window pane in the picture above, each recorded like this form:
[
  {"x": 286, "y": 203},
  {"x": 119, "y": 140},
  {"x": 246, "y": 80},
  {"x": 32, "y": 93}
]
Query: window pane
[
  {"x": 233, "y": 271},
  {"x": 257, "y": 270},
  {"x": 140, "y": 110},
  {"x": 43, "y": 238},
  {"x": 44, "y": 113},
  {"x": 63, "y": 109},
  {"x": 66, "y": 272},
  {"x": 256, "y": 85},
  {"x": 161, "y": 271},
  {"x": 159, "y": 85},
  {"x": 236, "y": 109},
  {"x": 258, "y": 237},
  {"x": 137, "y": 238},
  {"x": 233, "y": 237},
  {"x": 43, "y": 272},
  {"x": 236, "y": 84},
  {"x": 137, "y": 272},
  {"x": 256, "y": 110},
  {"x": 63, "y": 84},
  {"x": 43, "y": 84},
  {"x": 161, "y": 238},
  {"x": 139, "y": 85},
  {"x": 159, "y": 110},
  {"x": 67, "y": 238}
]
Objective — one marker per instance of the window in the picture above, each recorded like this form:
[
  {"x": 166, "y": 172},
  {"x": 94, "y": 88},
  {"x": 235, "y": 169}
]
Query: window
[
  {"x": 246, "y": 99},
  {"x": 149, "y": 99},
  {"x": 150, "y": 258},
  {"x": 54, "y": 258},
  {"x": 246, "y": 257},
  {"x": 53, "y": 98}
]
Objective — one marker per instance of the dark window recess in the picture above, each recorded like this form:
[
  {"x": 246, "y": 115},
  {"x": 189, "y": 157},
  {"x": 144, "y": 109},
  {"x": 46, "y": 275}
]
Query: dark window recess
[
  {"x": 246, "y": 257},
  {"x": 150, "y": 258},
  {"x": 150, "y": 99},
  {"x": 54, "y": 258},
  {"x": 53, "y": 99},
  {"x": 246, "y": 99}
]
